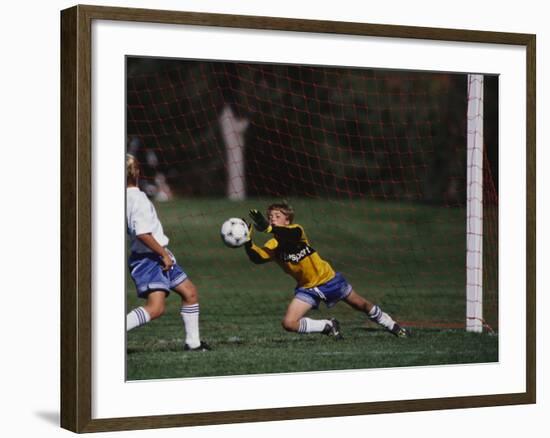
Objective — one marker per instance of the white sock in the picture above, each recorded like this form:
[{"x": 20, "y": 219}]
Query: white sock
[
  {"x": 190, "y": 317},
  {"x": 308, "y": 325},
  {"x": 377, "y": 315},
  {"x": 138, "y": 316}
]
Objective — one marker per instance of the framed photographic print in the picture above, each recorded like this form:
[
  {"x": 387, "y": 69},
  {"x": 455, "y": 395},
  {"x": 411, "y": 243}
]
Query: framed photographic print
[{"x": 252, "y": 205}]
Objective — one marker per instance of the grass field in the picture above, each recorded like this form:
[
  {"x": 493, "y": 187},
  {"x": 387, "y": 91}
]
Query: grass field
[{"x": 408, "y": 258}]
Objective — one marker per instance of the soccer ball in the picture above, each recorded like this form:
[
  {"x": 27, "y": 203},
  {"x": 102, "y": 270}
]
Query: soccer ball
[{"x": 234, "y": 232}]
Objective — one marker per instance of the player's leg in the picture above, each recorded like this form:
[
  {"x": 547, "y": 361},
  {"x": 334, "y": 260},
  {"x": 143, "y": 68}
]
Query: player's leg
[
  {"x": 189, "y": 312},
  {"x": 153, "y": 309},
  {"x": 358, "y": 302},
  {"x": 375, "y": 313},
  {"x": 294, "y": 313},
  {"x": 295, "y": 320},
  {"x": 188, "y": 293},
  {"x": 155, "y": 305},
  {"x": 151, "y": 285}
]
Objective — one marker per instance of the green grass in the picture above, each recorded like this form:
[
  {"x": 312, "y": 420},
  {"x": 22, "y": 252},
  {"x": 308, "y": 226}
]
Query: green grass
[{"x": 408, "y": 258}]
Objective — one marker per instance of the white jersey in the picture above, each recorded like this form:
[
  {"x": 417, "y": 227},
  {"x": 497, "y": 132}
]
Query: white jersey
[{"x": 141, "y": 218}]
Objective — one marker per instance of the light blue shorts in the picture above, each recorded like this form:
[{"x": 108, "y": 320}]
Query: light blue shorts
[
  {"x": 146, "y": 271},
  {"x": 330, "y": 292}
]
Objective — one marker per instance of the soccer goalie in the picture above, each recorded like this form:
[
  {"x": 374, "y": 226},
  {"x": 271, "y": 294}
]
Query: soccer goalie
[{"x": 315, "y": 277}]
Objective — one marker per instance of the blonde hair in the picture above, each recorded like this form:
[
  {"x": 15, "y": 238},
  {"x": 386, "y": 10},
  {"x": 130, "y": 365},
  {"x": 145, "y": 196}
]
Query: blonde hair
[
  {"x": 284, "y": 208},
  {"x": 132, "y": 170}
]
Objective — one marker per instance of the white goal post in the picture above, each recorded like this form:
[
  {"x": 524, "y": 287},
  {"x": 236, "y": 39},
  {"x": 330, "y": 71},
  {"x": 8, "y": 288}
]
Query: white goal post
[
  {"x": 474, "y": 208},
  {"x": 233, "y": 130}
]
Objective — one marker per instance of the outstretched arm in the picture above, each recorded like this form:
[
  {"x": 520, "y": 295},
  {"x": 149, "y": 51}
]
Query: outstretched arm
[{"x": 256, "y": 254}]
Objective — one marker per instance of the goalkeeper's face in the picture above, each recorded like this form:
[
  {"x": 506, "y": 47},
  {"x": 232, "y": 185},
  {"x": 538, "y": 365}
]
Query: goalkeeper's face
[{"x": 277, "y": 218}]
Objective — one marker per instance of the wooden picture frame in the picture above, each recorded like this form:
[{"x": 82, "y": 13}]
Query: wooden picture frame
[{"x": 76, "y": 217}]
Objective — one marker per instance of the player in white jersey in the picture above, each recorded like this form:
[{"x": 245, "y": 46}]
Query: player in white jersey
[{"x": 153, "y": 267}]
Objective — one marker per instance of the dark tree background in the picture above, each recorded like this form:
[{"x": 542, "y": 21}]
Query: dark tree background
[{"x": 313, "y": 131}]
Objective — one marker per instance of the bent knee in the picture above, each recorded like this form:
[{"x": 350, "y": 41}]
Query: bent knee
[
  {"x": 290, "y": 325},
  {"x": 156, "y": 311},
  {"x": 190, "y": 298},
  {"x": 188, "y": 292},
  {"x": 192, "y": 294}
]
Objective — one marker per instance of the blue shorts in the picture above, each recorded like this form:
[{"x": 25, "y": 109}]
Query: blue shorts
[
  {"x": 330, "y": 292},
  {"x": 146, "y": 271}
]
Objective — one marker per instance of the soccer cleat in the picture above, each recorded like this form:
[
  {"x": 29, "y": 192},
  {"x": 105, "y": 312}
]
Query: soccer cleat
[
  {"x": 400, "y": 332},
  {"x": 202, "y": 347},
  {"x": 333, "y": 329}
]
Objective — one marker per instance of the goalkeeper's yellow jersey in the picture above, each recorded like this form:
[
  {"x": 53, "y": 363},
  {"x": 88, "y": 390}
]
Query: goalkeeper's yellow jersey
[{"x": 291, "y": 250}]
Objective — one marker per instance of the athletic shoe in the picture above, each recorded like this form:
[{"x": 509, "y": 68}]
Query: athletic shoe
[
  {"x": 333, "y": 329},
  {"x": 202, "y": 347},
  {"x": 400, "y": 332}
]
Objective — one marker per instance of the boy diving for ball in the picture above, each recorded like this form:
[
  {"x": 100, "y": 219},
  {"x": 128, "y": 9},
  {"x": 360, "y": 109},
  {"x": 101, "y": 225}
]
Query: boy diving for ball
[{"x": 316, "y": 279}]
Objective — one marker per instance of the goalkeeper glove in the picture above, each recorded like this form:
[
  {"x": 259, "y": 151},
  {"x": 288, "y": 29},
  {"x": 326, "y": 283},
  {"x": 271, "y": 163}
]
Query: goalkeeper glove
[
  {"x": 250, "y": 228},
  {"x": 260, "y": 222}
]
